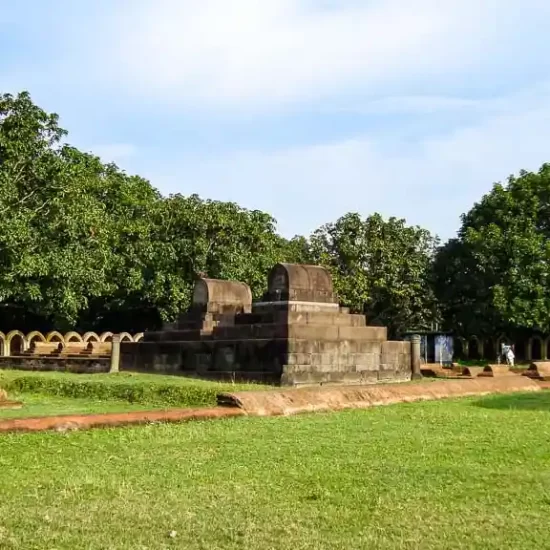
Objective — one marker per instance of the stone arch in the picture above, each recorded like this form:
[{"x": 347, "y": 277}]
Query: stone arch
[
  {"x": 499, "y": 341},
  {"x": 138, "y": 337},
  {"x": 502, "y": 339},
  {"x": 16, "y": 342},
  {"x": 475, "y": 348},
  {"x": 460, "y": 347},
  {"x": 535, "y": 348},
  {"x": 90, "y": 337},
  {"x": 4, "y": 349},
  {"x": 489, "y": 351},
  {"x": 55, "y": 336},
  {"x": 106, "y": 337},
  {"x": 73, "y": 336},
  {"x": 126, "y": 337},
  {"x": 520, "y": 348},
  {"x": 35, "y": 336}
]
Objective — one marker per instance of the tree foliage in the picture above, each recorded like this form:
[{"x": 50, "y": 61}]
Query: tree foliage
[
  {"x": 84, "y": 245},
  {"x": 380, "y": 267},
  {"x": 495, "y": 276}
]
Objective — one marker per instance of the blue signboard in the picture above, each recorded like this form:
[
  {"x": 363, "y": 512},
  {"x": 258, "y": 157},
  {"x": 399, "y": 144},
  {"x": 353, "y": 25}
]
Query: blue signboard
[
  {"x": 444, "y": 349},
  {"x": 424, "y": 348}
]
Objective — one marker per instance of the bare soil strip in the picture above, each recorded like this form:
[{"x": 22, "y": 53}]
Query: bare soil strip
[{"x": 285, "y": 402}]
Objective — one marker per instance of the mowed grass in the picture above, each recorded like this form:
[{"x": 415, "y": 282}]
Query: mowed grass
[
  {"x": 35, "y": 405},
  {"x": 51, "y": 393},
  {"x": 471, "y": 473}
]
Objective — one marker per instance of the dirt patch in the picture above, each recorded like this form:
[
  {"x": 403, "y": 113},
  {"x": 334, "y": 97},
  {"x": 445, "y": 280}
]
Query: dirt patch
[
  {"x": 285, "y": 402},
  {"x": 493, "y": 371},
  {"x": 78, "y": 422},
  {"x": 472, "y": 372},
  {"x": 437, "y": 371},
  {"x": 539, "y": 370},
  {"x": 293, "y": 401}
]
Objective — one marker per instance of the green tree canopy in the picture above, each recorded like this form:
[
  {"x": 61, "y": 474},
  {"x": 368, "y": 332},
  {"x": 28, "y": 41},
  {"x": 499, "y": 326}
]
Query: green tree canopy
[
  {"x": 495, "y": 276},
  {"x": 84, "y": 245},
  {"x": 380, "y": 267}
]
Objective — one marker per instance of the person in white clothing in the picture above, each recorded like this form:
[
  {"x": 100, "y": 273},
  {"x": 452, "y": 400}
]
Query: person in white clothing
[{"x": 510, "y": 356}]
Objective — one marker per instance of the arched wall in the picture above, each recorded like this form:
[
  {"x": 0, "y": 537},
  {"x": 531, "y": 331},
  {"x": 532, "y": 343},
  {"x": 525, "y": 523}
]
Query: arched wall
[
  {"x": 73, "y": 337},
  {"x": 4, "y": 351},
  {"x": 475, "y": 348},
  {"x": 55, "y": 336},
  {"x": 15, "y": 342},
  {"x": 536, "y": 350}
]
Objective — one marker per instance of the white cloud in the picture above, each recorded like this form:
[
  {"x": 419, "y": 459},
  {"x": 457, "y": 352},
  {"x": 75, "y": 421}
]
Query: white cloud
[
  {"x": 442, "y": 61},
  {"x": 419, "y": 104},
  {"x": 429, "y": 182},
  {"x": 252, "y": 53}
]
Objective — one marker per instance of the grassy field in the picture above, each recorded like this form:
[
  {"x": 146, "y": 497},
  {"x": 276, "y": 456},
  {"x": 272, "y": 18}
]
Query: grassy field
[
  {"x": 50, "y": 393},
  {"x": 35, "y": 404},
  {"x": 471, "y": 473}
]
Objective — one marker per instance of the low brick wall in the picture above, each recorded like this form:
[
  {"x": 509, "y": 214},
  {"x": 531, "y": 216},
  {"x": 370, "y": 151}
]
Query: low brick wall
[{"x": 82, "y": 365}]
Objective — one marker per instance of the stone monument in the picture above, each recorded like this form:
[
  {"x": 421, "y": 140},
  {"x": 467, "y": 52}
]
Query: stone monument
[{"x": 295, "y": 335}]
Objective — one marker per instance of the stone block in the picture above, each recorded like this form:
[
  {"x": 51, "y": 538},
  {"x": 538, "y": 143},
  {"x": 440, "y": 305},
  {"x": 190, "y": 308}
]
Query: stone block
[
  {"x": 298, "y": 334},
  {"x": 367, "y": 362},
  {"x": 350, "y": 320},
  {"x": 217, "y": 296},
  {"x": 300, "y": 283},
  {"x": 299, "y": 359},
  {"x": 363, "y": 333},
  {"x": 395, "y": 347},
  {"x": 369, "y": 347},
  {"x": 313, "y": 332}
]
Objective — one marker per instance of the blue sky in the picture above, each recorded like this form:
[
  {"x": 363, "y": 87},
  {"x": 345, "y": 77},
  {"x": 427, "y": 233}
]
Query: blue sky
[{"x": 306, "y": 109}]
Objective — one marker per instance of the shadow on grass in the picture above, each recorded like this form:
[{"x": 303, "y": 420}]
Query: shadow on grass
[{"x": 539, "y": 401}]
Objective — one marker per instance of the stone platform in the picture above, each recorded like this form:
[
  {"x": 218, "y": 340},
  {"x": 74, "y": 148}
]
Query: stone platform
[{"x": 296, "y": 335}]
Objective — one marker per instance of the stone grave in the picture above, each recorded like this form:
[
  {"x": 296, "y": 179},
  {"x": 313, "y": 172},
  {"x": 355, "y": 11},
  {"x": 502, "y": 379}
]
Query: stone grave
[{"x": 297, "y": 334}]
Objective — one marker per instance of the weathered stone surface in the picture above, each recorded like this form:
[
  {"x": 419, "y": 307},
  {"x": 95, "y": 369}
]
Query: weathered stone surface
[
  {"x": 297, "y": 335},
  {"x": 217, "y": 296},
  {"x": 300, "y": 283},
  {"x": 88, "y": 365}
]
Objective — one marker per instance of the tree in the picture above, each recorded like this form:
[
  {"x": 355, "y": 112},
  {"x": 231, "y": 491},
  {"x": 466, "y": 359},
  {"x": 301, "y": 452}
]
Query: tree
[
  {"x": 381, "y": 268},
  {"x": 215, "y": 239},
  {"x": 496, "y": 275},
  {"x": 73, "y": 231},
  {"x": 49, "y": 255},
  {"x": 296, "y": 250}
]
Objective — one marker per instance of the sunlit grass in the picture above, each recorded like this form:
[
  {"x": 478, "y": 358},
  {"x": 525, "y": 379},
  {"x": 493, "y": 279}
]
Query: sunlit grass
[{"x": 471, "y": 473}]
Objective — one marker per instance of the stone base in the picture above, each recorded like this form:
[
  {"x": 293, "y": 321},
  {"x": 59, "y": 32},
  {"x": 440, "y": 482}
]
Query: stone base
[
  {"x": 64, "y": 364},
  {"x": 297, "y": 334}
]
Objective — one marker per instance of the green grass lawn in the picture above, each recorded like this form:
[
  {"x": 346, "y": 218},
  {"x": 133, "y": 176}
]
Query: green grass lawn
[
  {"x": 35, "y": 404},
  {"x": 50, "y": 393},
  {"x": 472, "y": 473}
]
